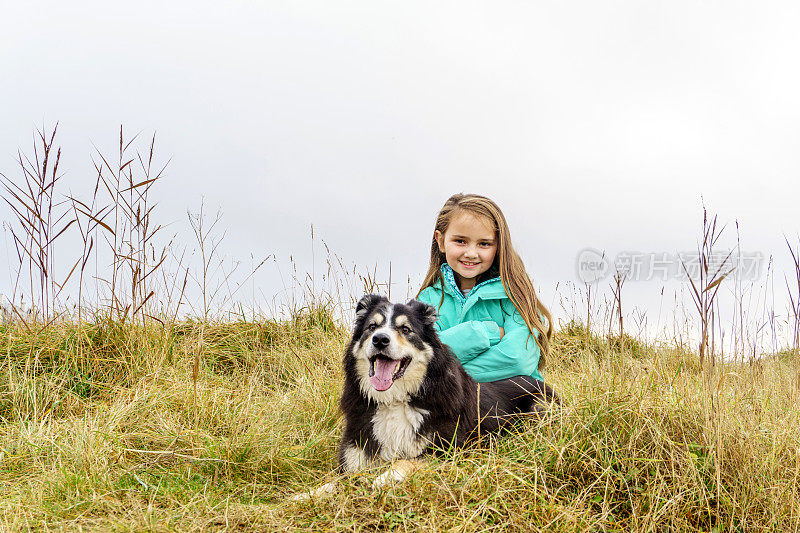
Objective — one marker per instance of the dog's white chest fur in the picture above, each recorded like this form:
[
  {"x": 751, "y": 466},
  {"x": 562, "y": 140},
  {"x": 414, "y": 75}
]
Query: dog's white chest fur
[{"x": 395, "y": 426}]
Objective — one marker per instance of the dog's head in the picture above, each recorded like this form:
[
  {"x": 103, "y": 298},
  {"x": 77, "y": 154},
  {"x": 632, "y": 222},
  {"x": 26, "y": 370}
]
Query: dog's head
[{"x": 391, "y": 348}]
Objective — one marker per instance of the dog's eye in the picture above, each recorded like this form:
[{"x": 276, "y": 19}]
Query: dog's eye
[
  {"x": 372, "y": 327},
  {"x": 406, "y": 330}
]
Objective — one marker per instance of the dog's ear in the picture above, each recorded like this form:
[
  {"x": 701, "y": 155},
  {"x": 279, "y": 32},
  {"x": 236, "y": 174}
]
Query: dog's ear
[
  {"x": 427, "y": 313},
  {"x": 366, "y": 303}
]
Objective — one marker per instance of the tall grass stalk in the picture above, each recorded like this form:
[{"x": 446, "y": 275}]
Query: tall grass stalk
[
  {"x": 709, "y": 277},
  {"x": 620, "y": 276},
  {"x": 793, "y": 289},
  {"x": 41, "y": 218},
  {"x": 130, "y": 228}
]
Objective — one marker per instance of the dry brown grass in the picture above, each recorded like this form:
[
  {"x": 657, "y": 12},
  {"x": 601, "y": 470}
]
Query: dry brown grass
[{"x": 89, "y": 444}]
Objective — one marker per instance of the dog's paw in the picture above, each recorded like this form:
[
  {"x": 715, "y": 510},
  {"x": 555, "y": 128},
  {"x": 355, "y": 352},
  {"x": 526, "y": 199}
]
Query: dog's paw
[
  {"x": 320, "y": 492},
  {"x": 390, "y": 477},
  {"x": 396, "y": 474}
]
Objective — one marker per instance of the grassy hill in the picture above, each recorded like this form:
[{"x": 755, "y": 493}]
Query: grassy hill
[{"x": 104, "y": 427}]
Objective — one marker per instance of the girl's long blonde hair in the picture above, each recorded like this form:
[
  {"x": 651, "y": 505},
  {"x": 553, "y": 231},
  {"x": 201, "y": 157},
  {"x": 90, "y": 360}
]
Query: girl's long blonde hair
[{"x": 515, "y": 279}]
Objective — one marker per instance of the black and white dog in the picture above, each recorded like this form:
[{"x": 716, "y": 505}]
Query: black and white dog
[{"x": 405, "y": 394}]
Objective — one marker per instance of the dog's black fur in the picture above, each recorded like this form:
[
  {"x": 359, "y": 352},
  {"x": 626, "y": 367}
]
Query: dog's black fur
[{"x": 450, "y": 407}]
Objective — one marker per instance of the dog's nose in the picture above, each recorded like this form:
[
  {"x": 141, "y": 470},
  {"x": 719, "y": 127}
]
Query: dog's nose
[{"x": 380, "y": 340}]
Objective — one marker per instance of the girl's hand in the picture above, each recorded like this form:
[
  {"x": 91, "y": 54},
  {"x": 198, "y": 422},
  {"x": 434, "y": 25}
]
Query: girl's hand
[{"x": 502, "y": 331}]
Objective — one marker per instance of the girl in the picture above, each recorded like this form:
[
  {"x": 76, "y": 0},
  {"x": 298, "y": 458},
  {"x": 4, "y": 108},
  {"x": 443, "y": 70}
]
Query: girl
[{"x": 489, "y": 314}]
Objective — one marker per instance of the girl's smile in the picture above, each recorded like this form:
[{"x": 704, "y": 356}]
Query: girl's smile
[{"x": 469, "y": 246}]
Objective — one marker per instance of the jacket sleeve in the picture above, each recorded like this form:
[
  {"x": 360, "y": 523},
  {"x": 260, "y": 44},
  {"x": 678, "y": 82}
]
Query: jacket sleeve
[
  {"x": 466, "y": 339},
  {"x": 471, "y": 338},
  {"x": 517, "y": 354}
]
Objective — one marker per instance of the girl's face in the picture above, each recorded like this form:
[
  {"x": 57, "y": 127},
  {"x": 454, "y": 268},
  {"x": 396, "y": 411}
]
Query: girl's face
[{"x": 469, "y": 246}]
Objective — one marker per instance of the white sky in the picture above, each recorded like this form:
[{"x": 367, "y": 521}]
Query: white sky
[{"x": 592, "y": 124}]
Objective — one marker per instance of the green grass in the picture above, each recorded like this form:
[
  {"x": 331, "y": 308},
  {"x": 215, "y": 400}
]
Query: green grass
[{"x": 101, "y": 429}]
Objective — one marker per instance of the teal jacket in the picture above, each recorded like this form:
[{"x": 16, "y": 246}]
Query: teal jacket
[{"x": 470, "y": 326}]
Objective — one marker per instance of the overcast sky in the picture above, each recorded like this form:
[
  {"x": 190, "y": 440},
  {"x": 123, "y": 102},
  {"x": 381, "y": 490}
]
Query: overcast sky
[{"x": 591, "y": 124}]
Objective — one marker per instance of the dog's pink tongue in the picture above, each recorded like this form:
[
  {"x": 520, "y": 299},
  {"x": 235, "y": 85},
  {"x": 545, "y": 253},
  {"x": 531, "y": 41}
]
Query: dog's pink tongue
[{"x": 384, "y": 370}]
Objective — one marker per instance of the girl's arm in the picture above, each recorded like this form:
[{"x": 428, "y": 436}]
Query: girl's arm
[
  {"x": 517, "y": 354},
  {"x": 467, "y": 339},
  {"x": 470, "y": 339}
]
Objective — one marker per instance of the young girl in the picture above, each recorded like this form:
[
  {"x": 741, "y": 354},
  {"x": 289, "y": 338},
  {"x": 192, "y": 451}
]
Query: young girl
[{"x": 489, "y": 314}]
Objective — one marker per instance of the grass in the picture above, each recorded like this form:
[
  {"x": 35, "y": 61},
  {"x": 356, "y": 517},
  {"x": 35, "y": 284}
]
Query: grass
[{"x": 101, "y": 430}]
